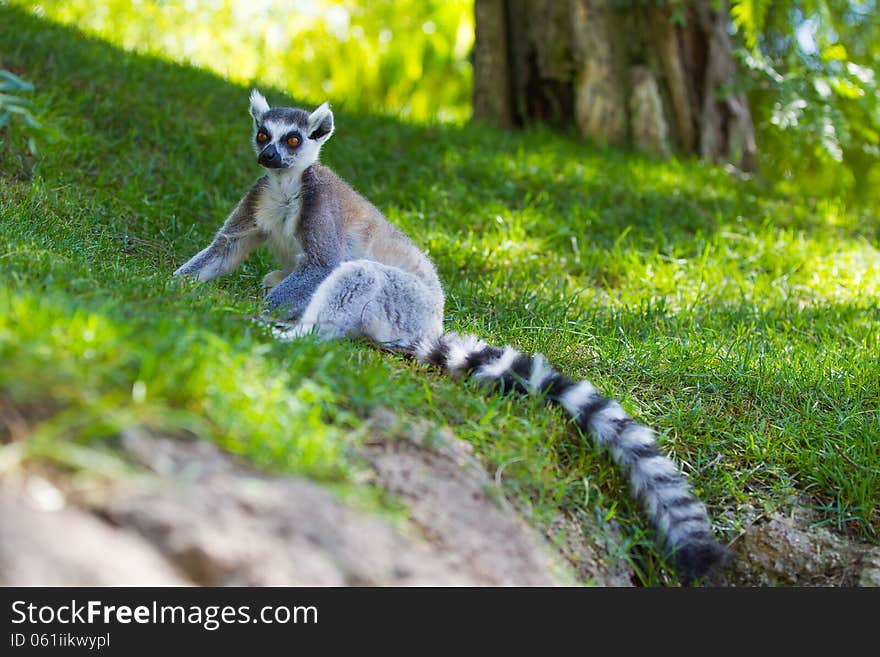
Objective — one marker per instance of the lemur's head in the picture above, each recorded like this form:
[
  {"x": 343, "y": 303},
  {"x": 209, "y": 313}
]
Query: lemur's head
[{"x": 288, "y": 138}]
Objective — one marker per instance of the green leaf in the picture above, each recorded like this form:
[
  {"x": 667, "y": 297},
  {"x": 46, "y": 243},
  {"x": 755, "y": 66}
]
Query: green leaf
[
  {"x": 749, "y": 16},
  {"x": 11, "y": 82},
  {"x": 829, "y": 140},
  {"x": 32, "y": 123},
  {"x": 678, "y": 16},
  {"x": 846, "y": 89},
  {"x": 835, "y": 53},
  {"x": 16, "y": 109},
  {"x": 7, "y": 100},
  {"x": 822, "y": 87}
]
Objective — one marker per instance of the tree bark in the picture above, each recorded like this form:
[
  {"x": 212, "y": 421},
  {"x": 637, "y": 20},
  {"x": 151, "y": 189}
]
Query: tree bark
[
  {"x": 657, "y": 77},
  {"x": 492, "y": 99}
]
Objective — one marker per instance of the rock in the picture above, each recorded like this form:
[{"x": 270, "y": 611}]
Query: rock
[
  {"x": 200, "y": 516},
  {"x": 70, "y": 547},
  {"x": 784, "y": 550},
  {"x": 224, "y": 523},
  {"x": 870, "y": 573}
]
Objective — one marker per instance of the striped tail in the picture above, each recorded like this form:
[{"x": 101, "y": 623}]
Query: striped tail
[{"x": 679, "y": 518}]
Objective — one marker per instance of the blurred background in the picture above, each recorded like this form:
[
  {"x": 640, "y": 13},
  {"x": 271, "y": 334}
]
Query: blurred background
[
  {"x": 408, "y": 58},
  {"x": 808, "y": 68}
]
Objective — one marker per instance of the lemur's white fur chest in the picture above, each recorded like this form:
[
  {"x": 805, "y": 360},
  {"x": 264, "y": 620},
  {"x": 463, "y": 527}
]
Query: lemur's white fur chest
[{"x": 278, "y": 214}]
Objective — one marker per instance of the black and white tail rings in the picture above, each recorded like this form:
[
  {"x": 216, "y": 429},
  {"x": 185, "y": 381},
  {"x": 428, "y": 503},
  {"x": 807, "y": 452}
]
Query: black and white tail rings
[{"x": 680, "y": 519}]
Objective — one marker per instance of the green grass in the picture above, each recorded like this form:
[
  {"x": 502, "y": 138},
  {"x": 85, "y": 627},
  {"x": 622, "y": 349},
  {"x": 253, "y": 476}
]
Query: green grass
[{"x": 743, "y": 326}]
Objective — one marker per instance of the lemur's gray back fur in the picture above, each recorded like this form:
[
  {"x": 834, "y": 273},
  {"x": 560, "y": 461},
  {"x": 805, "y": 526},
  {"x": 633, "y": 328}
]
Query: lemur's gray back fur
[{"x": 347, "y": 271}]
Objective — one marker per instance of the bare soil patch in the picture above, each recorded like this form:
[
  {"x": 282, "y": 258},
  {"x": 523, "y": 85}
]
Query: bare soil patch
[
  {"x": 199, "y": 516},
  {"x": 193, "y": 514}
]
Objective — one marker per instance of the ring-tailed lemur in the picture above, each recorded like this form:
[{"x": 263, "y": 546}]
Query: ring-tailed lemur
[{"x": 347, "y": 271}]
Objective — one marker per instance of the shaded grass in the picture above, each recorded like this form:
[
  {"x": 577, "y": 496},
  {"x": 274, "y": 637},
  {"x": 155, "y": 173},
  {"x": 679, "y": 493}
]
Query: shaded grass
[{"x": 743, "y": 326}]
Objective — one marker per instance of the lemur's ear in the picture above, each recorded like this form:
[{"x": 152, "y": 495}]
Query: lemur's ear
[
  {"x": 259, "y": 106},
  {"x": 320, "y": 124}
]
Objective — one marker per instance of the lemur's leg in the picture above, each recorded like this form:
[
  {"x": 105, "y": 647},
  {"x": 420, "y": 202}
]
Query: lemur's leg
[
  {"x": 322, "y": 250},
  {"x": 363, "y": 298},
  {"x": 289, "y": 298},
  {"x": 233, "y": 243}
]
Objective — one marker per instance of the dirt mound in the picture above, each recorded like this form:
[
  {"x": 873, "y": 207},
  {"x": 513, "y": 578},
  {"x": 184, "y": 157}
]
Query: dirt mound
[
  {"x": 789, "y": 550},
  {"x": 202, "y": 517},
  {"x": 191, "y": 513},
  {"x": 464, "y": 512},
  {"x": 71, "y": 547}
]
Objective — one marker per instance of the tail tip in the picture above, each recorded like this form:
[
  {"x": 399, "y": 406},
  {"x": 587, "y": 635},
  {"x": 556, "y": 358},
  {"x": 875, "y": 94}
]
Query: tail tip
[{"x": 695, "y": 561}]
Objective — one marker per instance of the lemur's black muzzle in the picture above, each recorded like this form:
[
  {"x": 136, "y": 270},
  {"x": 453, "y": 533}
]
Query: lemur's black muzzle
[{"x": 270, "y": 157}]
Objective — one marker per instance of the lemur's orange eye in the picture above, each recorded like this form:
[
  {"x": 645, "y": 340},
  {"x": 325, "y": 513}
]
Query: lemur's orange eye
[
  {"x": 262, "y": 137},
  {"x": 293, "y": 142}
]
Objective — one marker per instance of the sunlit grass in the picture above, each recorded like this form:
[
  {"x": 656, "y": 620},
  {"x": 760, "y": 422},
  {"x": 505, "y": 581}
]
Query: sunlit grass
[
  {"x": 743, "y": 326},
  {"x": 89, "y": 378}
]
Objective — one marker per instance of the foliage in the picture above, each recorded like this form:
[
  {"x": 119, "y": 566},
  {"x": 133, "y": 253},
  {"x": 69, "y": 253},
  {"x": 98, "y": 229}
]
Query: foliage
[
  {"x": 742, "y": 325},
  {"x": 406, "y": 57},
  {"x": 15, "y": 106},
  {"x": 815, "y": 93},
  {"x": 749, "y": 16}
]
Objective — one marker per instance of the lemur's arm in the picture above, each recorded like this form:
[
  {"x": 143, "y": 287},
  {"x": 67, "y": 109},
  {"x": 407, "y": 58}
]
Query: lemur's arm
[
  {"x": 239, "y": 236},
  {"x": 318, "y": 235}
]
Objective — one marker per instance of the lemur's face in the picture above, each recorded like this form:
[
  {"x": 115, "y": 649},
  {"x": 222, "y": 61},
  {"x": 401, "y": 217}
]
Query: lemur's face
[{"x": 285, "y": 137}]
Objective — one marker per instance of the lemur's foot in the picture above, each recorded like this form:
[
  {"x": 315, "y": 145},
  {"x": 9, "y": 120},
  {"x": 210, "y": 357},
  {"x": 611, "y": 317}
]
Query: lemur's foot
[
  {"x": 288, "y": 332},
  {"x": 273, "y": 278},
  {"x": 187, "y": 269}
]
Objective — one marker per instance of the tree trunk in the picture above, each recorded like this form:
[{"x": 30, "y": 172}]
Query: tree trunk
[
  {"x": 492, "y": 92},
  {"x": 654, "y": 76}
]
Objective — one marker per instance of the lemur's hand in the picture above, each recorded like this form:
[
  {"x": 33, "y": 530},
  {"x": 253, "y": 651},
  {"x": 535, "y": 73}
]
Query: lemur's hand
[
  {"x": 185, "y": 269},
  {"x": 203, "y": 266}
]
